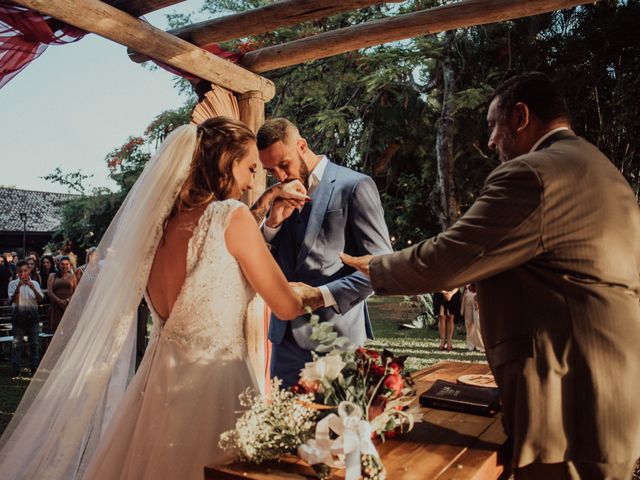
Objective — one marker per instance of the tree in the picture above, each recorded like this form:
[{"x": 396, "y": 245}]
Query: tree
[{"x": 412, "y": 114}]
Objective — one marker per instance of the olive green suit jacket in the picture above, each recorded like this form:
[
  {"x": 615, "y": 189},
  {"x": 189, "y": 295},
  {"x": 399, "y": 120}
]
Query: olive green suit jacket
[{"x": 553, "y": 242}]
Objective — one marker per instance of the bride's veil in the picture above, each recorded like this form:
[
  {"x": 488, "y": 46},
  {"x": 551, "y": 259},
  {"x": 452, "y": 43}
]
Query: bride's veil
[{"x": 91, "y": 358}]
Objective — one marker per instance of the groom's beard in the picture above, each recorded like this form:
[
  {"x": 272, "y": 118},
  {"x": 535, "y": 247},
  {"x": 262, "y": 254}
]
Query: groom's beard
[{"x": 304, "y": 172}]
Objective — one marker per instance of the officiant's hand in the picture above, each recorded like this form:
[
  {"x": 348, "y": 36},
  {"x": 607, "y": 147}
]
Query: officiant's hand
[
  {"x": 359, "y": 263},
  {"x": 311, "y": 296}
]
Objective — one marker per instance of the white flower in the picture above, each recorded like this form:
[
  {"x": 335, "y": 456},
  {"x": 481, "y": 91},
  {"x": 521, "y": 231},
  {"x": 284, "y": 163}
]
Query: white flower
[{"x": 324, "y": 368}]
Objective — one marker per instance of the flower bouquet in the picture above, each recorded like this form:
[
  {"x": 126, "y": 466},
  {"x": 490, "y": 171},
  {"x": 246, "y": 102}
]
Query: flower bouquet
[{"x": 346, "y": 397}]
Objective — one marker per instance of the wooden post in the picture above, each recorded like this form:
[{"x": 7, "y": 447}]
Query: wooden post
[
  {"x": 109, "y": 22},
  {"x": 251, "y": 105},
  {"x": 463, "y": 14}
]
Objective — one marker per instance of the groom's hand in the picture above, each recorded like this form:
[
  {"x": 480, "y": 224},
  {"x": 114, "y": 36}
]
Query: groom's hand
[
  {"x": 280, "y": 211},
  {"x": 311, "y": 296},
  {"x": 279, "y": 201}
]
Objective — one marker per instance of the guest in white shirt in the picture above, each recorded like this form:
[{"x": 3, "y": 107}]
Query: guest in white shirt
[{"x": 25, "y": 295}]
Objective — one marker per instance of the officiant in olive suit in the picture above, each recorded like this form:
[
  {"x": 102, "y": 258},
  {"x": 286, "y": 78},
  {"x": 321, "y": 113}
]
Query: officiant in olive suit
[
  {"x": 553, "y": 244},
  {"x": 344, "y": 214}
]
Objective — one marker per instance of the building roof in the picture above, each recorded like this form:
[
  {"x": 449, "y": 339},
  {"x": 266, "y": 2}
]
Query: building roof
[{"x": 43, "y": 209}]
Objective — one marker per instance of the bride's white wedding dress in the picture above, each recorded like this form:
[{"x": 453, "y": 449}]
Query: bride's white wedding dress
[{"x": 185, "y": 392}]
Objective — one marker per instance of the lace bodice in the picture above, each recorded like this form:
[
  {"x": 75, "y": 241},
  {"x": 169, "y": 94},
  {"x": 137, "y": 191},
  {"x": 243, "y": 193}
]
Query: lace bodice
[{"x": 209, "y": 312}]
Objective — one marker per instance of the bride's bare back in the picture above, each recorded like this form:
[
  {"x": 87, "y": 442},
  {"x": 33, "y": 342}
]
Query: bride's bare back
[
  {"x": 244, "y": 242},
  {"x": 169, "y": 268}
]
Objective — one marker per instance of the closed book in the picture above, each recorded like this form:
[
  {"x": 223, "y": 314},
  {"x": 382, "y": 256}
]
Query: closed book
[{"x": 461, "y": 398}]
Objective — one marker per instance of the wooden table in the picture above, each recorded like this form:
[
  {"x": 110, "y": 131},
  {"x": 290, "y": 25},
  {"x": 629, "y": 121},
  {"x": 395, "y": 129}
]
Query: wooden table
[{"x": 445, "y": 446}]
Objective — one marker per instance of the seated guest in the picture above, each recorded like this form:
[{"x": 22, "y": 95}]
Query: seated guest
[
  {"x": 471, "y": 313},
  {"x": 5, "y": 277},
  {"x": 68, "y": 251},
  {"x": 80, "y": 271},
  {"x": 33, "y": 254},
  {"x": 25, "y": 295},
  {"x": 446, "y": 304},
  {"x": 9, "y": 259},
  {"x": 47, "y": 267},
  {"x": 33, "y": 269},
  {"x": 60, "y": 288}
]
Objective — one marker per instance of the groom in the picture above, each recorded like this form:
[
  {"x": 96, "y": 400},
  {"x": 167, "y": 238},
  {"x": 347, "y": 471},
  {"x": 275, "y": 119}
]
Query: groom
[{"x": 345, "y": 214}]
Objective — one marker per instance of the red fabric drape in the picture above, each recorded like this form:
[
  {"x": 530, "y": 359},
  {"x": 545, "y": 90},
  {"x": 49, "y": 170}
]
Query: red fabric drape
[{"x": 25, "y": 34}]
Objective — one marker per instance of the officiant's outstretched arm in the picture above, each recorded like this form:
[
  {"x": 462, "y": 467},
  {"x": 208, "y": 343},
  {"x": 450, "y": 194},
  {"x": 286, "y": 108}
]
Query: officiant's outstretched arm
[
  {"x": 552, "y": 242},
  {"x": 344, "y": 214}
]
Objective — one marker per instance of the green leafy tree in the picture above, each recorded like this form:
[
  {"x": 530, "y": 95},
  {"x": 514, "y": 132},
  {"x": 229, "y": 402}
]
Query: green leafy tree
[{"x": 378, "y": 110}]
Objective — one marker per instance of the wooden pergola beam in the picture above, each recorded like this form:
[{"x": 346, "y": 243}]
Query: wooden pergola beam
[
  {"x": 466, "y": 13},
  {"x": 261, "y": 20},
  {"x": 109, "y": 22},
  {"x": 138, "y": 8}
]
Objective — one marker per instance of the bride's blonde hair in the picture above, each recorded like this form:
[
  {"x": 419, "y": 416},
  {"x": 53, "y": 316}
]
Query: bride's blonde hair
[{"x": 221, "y": 143}]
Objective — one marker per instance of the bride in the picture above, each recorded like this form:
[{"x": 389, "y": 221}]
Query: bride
[{"x": 183, "y": 240}]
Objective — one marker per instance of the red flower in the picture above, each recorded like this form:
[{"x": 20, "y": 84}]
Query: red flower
[
  {"x": 113, "y": 163},
  {"x": 368, "y": 354},
  {"x": 391, "y": 434},
  {"x": 394, "y": 368},
  {"x": 377, "y": 370},
  {"x": 309, "y": 386},
  {"x": 395, "y": 383}
]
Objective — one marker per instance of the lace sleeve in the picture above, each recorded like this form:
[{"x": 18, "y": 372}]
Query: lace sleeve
[
  {"x": 210, "y": 228},
  {"x": 222, "y": 213}
]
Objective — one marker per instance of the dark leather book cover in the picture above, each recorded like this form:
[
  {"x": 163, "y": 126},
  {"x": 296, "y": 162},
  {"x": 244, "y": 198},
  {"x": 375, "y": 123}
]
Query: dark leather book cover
[{"x": 461, "y": 398}]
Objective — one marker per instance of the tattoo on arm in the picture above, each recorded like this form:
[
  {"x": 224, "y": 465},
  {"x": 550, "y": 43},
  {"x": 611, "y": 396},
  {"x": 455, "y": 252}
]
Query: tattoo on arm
[{"x": 259, "y": 212}]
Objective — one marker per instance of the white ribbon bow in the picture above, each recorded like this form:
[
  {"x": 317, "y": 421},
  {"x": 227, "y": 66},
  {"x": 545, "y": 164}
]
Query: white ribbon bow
[{"x": 354, "y": 440}]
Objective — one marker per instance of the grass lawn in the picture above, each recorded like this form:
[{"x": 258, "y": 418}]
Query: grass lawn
[
  {"x": 11, "y": 390},
  {"x": 420, "y": 344}
]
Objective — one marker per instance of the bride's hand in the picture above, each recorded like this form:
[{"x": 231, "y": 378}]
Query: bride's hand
[
  {"x": 359, "y": 263},
  {"x": 311, "y": 296},
  {"x": 292, "y": 190}
]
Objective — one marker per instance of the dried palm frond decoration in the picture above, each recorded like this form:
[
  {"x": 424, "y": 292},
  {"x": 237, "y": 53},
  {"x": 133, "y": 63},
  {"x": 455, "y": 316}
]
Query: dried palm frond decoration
[{"x": 216, "y": 102}]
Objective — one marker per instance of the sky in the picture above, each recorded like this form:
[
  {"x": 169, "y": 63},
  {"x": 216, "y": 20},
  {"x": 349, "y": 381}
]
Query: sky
[{"x": 75, "y": 103}]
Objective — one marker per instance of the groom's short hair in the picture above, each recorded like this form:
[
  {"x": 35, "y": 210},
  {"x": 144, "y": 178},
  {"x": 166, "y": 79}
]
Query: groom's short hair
[{"x": 277, "y": 129}]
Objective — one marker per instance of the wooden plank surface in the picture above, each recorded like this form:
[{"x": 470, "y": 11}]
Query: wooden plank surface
[
  {"x": 446, "y": 445},
  {"x": 466, "y": 13},
  {"x": 109, "y": 22}
]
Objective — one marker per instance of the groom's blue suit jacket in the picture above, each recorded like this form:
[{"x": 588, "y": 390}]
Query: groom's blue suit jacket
[{"x": 346, "y": 216}]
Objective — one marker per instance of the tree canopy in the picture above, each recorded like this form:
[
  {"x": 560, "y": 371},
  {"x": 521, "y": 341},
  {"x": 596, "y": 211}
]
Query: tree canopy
[{"x": 380, "y": 110}]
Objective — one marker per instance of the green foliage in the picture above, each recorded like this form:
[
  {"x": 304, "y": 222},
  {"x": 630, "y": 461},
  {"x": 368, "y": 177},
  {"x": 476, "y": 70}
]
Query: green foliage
[
  {"x": 73, "y": 181},
  {"x": 377, "y": 109},
  {"x": 325, "y": 334},
  {"x": 422, "y": 305}
]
